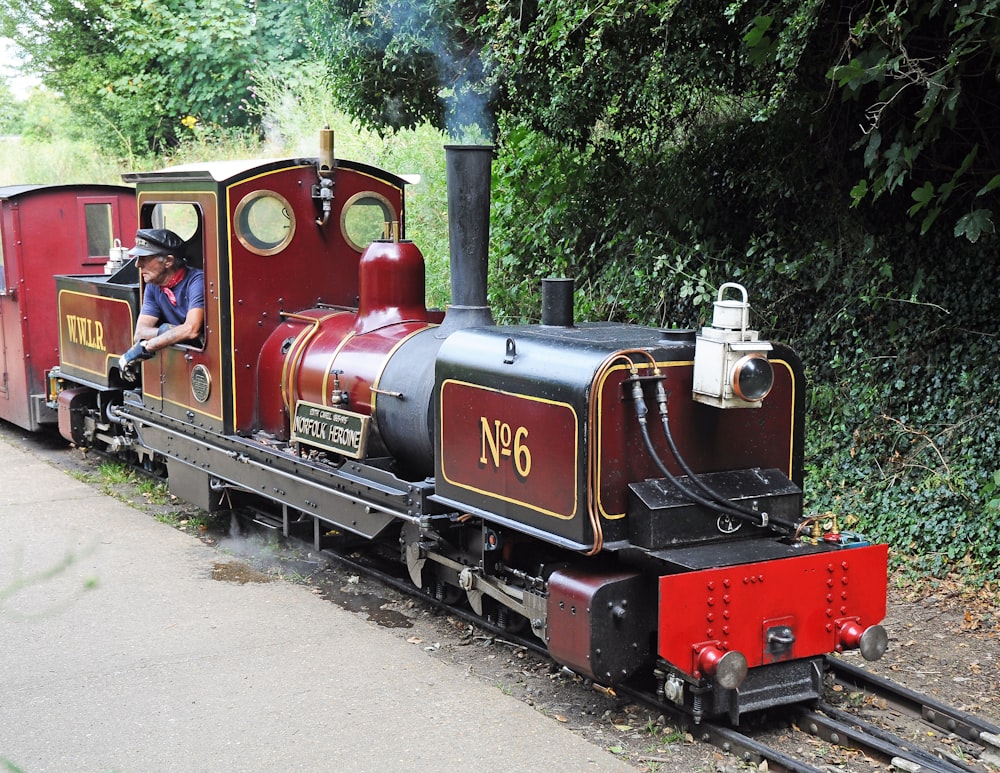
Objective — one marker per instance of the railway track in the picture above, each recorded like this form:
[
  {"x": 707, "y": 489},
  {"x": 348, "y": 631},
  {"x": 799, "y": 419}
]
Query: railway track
[
  {"x": 869, "y": 722},
  {"x": 950, "y": 738},
  {"x": 888, "y": 727}
]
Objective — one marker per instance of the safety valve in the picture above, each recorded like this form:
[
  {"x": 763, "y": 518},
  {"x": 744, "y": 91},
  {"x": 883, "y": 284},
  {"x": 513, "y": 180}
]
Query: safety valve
[{"x": 731, "y": 369}]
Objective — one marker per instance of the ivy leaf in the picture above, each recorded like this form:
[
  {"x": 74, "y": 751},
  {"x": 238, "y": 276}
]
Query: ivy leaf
[
  {"x": 761, "y": 45},
  {"x": 974, "y": 224},
  {"x": 922, "y": 196},
  {"x": 761, "y": 25},
  {"x": 871, "y": 150},
  {"x": 851, "y": 75},
  {"x": 858, "y": 192},
  {"x": 928, "y": 221},
  {"x": 991, "y": 185}
]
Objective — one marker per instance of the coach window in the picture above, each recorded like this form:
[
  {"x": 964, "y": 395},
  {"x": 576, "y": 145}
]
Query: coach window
[
  {"x": 264, "y": 222},
  {"x": 363, "y": 218},
  {"x": 96, "y": 220}
]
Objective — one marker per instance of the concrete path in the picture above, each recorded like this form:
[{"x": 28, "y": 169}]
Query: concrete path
[{"x": 119, "y": 652}]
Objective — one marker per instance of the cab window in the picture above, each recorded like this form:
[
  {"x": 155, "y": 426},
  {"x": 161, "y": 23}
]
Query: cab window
[
  {"x": 363, "y": 218},
  {"x": 264, "y": 222},
  {"x": 184, "y": 219}
]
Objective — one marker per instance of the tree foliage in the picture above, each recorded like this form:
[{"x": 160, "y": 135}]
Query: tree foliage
[
  {"x": 10, "y": 116},
  {"x": 140, "y": 73},
  {"x": 637, "y": 72},
  {"x": 826, "y": 154},
  {"x": 925, "y": 76},
  {"x": 898, "y": 96},
  {"x": 396, "y": 64}
]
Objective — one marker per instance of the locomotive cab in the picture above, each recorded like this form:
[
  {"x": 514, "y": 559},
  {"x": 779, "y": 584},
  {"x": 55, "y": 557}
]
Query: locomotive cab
[{"x": 271, "y": 248}]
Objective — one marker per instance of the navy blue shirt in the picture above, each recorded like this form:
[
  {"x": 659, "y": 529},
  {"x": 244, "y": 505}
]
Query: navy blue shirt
[{"x": 189, "y": 294}]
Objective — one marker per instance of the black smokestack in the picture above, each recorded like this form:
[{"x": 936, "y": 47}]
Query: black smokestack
[{"x": 469, "y": 175}]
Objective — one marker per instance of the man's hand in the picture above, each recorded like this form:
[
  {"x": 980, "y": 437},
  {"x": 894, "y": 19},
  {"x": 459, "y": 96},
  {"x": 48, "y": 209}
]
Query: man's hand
[{"x": 129, "y": 362}]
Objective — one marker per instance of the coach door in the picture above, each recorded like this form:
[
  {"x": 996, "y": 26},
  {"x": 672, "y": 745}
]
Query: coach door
[
  {"x": 183, "y": 381},
  {"x": 4, "y": 298},
  {"x": 12, "y": 383}
]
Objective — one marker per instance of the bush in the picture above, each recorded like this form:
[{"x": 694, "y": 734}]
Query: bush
[{"x": 897, "y": 331}]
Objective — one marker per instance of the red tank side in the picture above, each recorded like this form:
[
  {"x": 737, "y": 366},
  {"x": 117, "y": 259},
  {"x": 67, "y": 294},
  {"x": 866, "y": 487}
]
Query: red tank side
[{"x": 330, "y": 357}]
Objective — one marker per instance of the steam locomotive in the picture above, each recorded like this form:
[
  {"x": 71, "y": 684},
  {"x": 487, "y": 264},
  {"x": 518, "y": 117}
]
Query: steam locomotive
[{"x": 630, "y": 495}]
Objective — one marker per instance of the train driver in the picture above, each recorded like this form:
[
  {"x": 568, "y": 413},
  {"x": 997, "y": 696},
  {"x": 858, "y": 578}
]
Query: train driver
[{"x": 173, "y": 304}]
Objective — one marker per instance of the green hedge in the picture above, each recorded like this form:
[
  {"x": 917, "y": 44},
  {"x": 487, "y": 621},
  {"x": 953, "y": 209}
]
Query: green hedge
[{"x": 898, "y": 332}]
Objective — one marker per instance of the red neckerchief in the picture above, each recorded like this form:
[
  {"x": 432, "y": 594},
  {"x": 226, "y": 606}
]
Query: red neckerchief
[{"x": 173, "y": 282}]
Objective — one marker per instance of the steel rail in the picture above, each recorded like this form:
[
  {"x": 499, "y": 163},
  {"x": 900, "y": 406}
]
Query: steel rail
[
  {"x": 847, "y": 730},
  {"x": 834, "y": 725},
  {"x": 914, "y": 704}
]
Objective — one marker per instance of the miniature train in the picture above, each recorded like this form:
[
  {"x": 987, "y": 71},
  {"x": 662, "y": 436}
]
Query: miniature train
[{"x": 631, "y": 495}]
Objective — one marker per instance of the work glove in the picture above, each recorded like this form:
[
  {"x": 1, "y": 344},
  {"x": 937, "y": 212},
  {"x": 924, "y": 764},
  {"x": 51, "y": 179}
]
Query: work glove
[
  {"x": 129, "y": 362},
  {"x": 163, "y": 328}
]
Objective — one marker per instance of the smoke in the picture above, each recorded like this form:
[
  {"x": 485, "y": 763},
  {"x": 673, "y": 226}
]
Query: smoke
[
  {"x": 467, "y": 116},
  {"x": 462, "y": 84}
]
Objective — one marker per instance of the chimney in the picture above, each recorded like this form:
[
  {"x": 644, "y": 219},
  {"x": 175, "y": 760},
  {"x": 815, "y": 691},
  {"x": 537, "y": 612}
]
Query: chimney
[
  {"x": 557, "y": 302},
  {"x": 469, "y": 176}
]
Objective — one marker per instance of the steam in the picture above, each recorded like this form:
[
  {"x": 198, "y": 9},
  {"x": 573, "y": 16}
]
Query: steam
[
  {"x": 266, "y": 553},
  {"x": 467, "y": 117},
  {"x": 463, "y": 87}
]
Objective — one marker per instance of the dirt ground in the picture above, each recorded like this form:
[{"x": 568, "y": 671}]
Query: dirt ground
[
  {"x": 943, "y": 641},
  {"x": 944, "y": 638}
]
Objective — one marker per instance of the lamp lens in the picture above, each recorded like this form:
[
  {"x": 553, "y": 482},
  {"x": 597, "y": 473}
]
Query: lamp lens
[{"x": 752, "y": 377}]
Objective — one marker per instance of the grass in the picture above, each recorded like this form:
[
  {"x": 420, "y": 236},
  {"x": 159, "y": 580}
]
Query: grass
[
  {"x": 185, "y": 520},
  {"x": 84, "y": 476},
  {"x": 145, "y": 493},
  {"x": 61, "y": 161},
  {"x": 295, "y": 114},
  {"x": 112, "y": 473},
  {"x": 114, "y": 476}
]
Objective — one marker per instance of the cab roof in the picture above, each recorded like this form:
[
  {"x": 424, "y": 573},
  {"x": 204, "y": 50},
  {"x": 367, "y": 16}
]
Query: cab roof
[{"x": 233, "y": 171}]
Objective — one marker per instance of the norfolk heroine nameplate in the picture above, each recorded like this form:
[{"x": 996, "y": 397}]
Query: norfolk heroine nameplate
[{"x": 332, "y": 429}]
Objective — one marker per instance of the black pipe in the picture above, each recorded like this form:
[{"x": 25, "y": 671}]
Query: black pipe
[
  {"x": 469, "y": 174},
  {"x": 724, "y": 506},
  {"x": 557, "y": 302}
]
